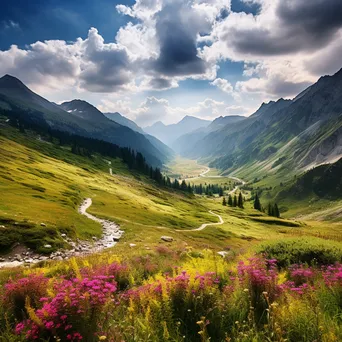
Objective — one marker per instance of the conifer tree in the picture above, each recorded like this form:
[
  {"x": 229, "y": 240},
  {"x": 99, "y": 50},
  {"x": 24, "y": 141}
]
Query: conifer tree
[
  {"x": 270, "y": 210},
  {"x": 235, "y": 201},
  {"x": 230, "y": 200},
  {"x": 276, "y": 210},
  {"x": 224, "y": 201},
  {"x": 257, "y": 204},
  {"x": 240, "y": 201},
  {"x": 183, "y": 186}
]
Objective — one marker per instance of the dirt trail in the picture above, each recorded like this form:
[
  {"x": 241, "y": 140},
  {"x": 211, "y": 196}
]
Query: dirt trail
[
  {"x": 111, "y": 233},
  {"x": 204, "y": 225}
]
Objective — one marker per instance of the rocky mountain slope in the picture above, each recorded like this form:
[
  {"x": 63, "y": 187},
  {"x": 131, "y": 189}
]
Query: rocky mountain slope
[
  {"x": 78, "y": 117},
  {"x": 284, "y": 135}
]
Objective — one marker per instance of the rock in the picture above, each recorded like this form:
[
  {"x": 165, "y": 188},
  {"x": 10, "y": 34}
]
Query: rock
[
  {"x": 2, "y": 260},
  {"x": 167, "y": 238},
  {"x": 47, "y": 246},
  {"x": 17, "y": 257},
  {"x": 58, "y": 258},
  {"x": 43, "y": 224},
  {"x": 2, "y": 226},
  {"x": 63, "y": 235},
  {"x": 132, "y": 245},
  {"x": 223, "y": 253},
  {"x": 94, "y": 238},
  {"x": 29, "y": 261}
]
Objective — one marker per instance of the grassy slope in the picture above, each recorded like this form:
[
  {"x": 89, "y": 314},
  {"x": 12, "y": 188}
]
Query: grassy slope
[
  {"x": 45, "y": 183},
  {"x": 42, "y": 182}
]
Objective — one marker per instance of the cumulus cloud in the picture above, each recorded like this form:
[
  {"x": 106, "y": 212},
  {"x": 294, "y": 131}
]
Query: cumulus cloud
[
  {"x": 222, "y": 84},
  {"x": 154, "y": 109},
  {"x": 285, "y": 45}
]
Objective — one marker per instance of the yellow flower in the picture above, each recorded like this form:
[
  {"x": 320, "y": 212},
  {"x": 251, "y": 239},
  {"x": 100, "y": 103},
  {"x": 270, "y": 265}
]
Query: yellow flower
[{"x": 102, "y": 338}]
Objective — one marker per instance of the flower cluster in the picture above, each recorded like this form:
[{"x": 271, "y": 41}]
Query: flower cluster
[
  {"x": 18, "y": 292},
  {"x": 75, "y": 306},
  {"x": 332, "y": 275}
]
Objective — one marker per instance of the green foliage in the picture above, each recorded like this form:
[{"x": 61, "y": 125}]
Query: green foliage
[
  {"x": 302, "y": 250},
  {"x": 257, "y": 204}
]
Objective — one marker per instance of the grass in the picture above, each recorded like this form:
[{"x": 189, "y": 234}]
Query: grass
[
  {"x": 44, "y": 183},
  {"x": 312, "y": 251},
  {"x": 184, "y": 168}
]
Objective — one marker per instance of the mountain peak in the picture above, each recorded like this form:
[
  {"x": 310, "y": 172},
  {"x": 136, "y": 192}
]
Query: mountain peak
[{"x": 10, "y": 81}]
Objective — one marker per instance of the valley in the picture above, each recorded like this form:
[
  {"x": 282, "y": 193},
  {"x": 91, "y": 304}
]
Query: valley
[
  {"x": 73, "y": 206},
  {"x": 171, "y": 171}
]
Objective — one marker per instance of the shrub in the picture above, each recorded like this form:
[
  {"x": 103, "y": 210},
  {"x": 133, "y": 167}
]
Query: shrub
[{"x": 312, "y": 251}]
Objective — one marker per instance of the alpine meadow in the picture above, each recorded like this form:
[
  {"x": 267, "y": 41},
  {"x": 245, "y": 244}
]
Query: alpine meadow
[{"x": 171, "y": 171}]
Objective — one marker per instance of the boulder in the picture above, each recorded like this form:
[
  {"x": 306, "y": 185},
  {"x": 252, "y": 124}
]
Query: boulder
[
  {"x": 132, "y": 245},
  {"x": 47, "y": 246},
  {"x": 43, "y": 224},
  {"x": 167, "y": 238}
]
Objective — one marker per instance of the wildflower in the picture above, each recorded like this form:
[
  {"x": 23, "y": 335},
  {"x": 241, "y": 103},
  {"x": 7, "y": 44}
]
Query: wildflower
[{"x": 102, "y": 338}]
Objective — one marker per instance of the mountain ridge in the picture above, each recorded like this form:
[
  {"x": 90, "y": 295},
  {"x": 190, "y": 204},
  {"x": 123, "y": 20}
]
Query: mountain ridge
[{"x": 17, "y": 98}]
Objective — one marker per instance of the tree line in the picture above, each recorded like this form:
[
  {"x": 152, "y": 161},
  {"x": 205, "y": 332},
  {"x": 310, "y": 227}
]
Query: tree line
[
  {"x": 272, "y": 208},
  {"x": 86, "y": 146},
  {"x": 210, "y": 189},
  {"x": 234, "y": 201}
]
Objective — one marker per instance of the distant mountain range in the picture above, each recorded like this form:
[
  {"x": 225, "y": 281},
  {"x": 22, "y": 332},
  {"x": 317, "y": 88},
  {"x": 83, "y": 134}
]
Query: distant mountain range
[
  {"x": 282, "y": 135},
  {"x": 122, "y": 120},
  {"x": 168, "y": 134},
  {"x": 78, "y": 117}
]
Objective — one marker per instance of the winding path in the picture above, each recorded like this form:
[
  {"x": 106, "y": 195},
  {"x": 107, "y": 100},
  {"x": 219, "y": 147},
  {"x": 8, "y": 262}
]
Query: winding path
[
  {"x": 110, "y": 230},
  {"x": 204, "y": 225},
  {"x": 111, "y": 233}
]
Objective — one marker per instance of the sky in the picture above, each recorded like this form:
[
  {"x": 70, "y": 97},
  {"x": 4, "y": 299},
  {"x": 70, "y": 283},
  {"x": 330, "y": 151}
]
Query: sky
[{"x": 159, "y": 60}]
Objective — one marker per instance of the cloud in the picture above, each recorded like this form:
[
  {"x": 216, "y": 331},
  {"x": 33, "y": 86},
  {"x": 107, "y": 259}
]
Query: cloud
[
  {"x": 238, "y": 110},
  {"x": 106, "y": 67},
  {"x": 223, "y": 84},
  {"x": 284, "y": 46},
  {"x": 10, "y": 24},
  {"x": 154, "y": 109}
]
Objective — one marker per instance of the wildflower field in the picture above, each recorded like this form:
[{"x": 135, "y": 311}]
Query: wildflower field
[{"x": 176, "y": 294}]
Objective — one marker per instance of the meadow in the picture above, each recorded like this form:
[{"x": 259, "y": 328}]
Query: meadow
[
  {"x": 273, "y": 279},
  {"x": 177, "y": 293}
]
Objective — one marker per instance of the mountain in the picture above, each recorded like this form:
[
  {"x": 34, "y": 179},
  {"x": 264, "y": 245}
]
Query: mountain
[
  {"x": 322, "y": 181},
  {"x": 83, "y": 110},
  {"x": 170, "y": 133},
  {"x": 305, "y": 133},
  {"x": 238, "y": 132},
  {"x": 187, "y": 142},
  {"x": 76, "y": 117},
  {"x": 122, "y": 120},
  {"x": 117, "y": 117}
]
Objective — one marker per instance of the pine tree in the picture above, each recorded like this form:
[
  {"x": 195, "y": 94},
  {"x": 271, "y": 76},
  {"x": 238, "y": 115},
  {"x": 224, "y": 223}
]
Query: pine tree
[
  {"x": 240, "y": 201},
  {"x": 220, "y": 191},
  {"x": 270, "y": 211},
  {"x": 257, "y": 204},
  {"x": 235, "y": 201},
  {"x": 230, "y": 200},
  {"x": 276, "y": 210},
  {"x": 183, "y": 186},
  {"x": 224, "y": 201}
]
